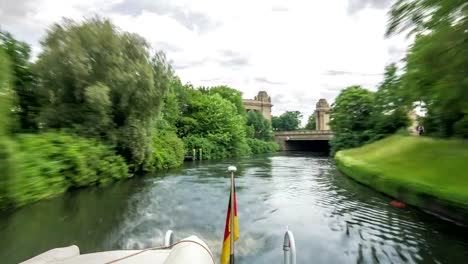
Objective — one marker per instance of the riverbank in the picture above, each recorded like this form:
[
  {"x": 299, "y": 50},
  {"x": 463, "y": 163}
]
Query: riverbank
[
  {"x": 424, "y": 172},
  {"x": 329, "y": 215}
]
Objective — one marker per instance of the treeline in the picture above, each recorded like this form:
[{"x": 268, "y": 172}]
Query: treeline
[
  {"x": 98, "y": 105},
  {"x": 434, "y": 78}
]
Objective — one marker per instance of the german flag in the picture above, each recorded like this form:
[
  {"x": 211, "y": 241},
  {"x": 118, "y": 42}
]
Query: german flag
[{"x": 227, "y": 255}]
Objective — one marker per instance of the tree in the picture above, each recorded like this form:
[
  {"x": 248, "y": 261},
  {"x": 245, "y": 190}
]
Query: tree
[
  {"x": 311, "y": 122},
  {"x": 422, "y": 15},
  {"x": 232, "y": 95},
  {"x": 288, "y": 121},
  {"x": 351, "y": 118},
  {"x": 23, "y": 81},
  {"x": 7, "y": 149},
  {"x": 391, "y": 110},
  {"x": 435, "y": 72},
  {"x": 211, "y": 118},
  {"x": 434, "y": 76},
  {"x": 261, "y": 127},
  {"x": 102, "y": 82}
]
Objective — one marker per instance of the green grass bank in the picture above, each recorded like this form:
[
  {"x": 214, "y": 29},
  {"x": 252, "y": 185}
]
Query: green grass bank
[{"x": 428, "y": 173}]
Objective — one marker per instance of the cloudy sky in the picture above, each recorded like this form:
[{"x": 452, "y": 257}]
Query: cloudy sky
[{"x": 297, "y": 51}]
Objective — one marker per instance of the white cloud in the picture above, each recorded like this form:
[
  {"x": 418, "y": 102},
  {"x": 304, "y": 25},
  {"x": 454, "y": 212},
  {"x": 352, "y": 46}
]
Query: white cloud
[{"x": 298, "y": 51}]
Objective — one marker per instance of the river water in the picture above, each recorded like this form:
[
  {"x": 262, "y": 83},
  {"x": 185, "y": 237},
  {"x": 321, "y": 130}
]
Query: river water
[{"x": 334, "y": 219}]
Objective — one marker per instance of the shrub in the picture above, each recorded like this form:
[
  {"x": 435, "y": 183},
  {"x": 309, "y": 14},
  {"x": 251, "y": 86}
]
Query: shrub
[
  {"x": 258, "y": 146},
  {"x": 50, "y": 163},
  {"x": 210, "y": 149},
  {"x": 460, "y": 128},
  {"x": 168, "y": 150}
]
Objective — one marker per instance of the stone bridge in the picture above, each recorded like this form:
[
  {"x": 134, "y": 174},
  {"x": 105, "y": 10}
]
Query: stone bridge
[{"x": 310, "y": 140}]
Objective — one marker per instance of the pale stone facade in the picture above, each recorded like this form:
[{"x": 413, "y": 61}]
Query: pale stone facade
[
  {"x": 261, "y": 103},
  {"x": 322, "y": 115}
]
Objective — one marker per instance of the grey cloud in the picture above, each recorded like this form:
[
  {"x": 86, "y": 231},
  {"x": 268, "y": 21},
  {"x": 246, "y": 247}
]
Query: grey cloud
[
  {"x": 279, "y": 9},
  {"x": 265, "y": 80},
  {"x": 331, "y": 87},
  {"x": 192, "y": 20},
  {"x": 12, "y": 15},
  {"x": 213, "y": 80},
  {"x": 189, "y": 64},
  {"x": 227, "y": 58},
  {"x": 280, "y": 99},
  {"x": 396, "y": 53},
  {"x": 12, "y": 11},
  {"x": 166, "y": 46},
  {"x": 355, "y": 6},
  {"x": 338, "y": 73},
  {"x": 231, "y": 58}
]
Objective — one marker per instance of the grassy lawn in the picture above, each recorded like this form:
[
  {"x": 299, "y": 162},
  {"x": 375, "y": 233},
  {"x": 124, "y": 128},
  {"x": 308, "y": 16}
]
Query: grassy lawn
[{"x": 422, "y": 165}]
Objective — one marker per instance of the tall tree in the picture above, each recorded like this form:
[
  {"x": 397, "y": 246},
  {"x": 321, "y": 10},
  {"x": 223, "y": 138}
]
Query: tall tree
[
  {"x": 261, "y": 127},
  {"x": 311, "y": 122},
  {"x": 102, "y": 82},
  {"x": 288, "y": 121},
  {"x": 215, "y": 119},
  {"x": 437, "y": 62},
  {"x": 422, "y": 15},
  {"x": 232, "y": 95},
  {"x": 351, "y": 118},
  {"x": 23, "y": 81},
  {"x": 7, "y": 148},
  {"x": 391, "y": 109}
]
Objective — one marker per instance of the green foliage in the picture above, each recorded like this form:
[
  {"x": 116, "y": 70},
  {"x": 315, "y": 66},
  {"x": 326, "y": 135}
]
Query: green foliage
[
  {"x": 390, "y": 94},
  {"x": 232, "y": 95},
  {"x": 104, "y": 83},
  {"x": 388, "y": 124},
  {"x": 23, "y": 81},
  {"x": 260, "y": 146},
  {"x": 168, "y": 150},
  {"x": 359, "y": 116},
  {"x": 422, "y": 15},
  {"x": 259, "y": 127},
  {"x": 50, "y": 163},
  {"x": 435, "y": 74},
  {"x": 7, "y": 146},
  {"x": 460, "y": 128},
  {"x": 216, "y": 119},
  {"x": 352, "y": 110},
  {"x": 209, "y": 148},
  {"x": 311, "y": 122},
  {"x": 351, "y": 118},
  {"x": 5, "y": 93},
  {"x": 288, "y": 121}
]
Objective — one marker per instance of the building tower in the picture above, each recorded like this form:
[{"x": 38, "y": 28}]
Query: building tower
[{"x": 322, "y": 115}]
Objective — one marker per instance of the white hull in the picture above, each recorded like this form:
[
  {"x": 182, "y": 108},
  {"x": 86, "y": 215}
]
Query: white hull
[{"x": 189, "y": 250}]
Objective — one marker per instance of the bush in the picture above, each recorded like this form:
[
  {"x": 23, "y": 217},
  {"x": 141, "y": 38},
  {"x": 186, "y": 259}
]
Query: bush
[
  {"x": 50, "y": 163},
  {"x": 210, "y": 149},
  {"x": 259, "y": 146},
  {"x": 460, "y": 128},
  {"x": 168, "y": 150}
]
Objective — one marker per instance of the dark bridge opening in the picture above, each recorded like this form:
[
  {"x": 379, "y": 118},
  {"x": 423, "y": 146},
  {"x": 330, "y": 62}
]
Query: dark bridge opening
[{"x": 320, "y": 146}]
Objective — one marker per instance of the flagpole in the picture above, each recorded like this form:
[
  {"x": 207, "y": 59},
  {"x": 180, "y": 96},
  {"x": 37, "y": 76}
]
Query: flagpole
[{"x": 232, "y": 169}]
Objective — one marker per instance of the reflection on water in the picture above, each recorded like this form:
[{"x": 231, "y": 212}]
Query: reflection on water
[{"x": 334, "y": 219}]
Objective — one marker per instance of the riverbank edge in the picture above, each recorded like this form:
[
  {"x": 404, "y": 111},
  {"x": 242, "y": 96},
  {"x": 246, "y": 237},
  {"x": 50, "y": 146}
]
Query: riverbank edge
[
  {"x": 364, "y": 174},
  {"x": 129, "y": 176}
]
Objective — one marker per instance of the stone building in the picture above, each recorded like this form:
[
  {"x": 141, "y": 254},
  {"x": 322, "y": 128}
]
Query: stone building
[
  {"x": 261, "y": 103},
  {"x": 322, "y": 115}
]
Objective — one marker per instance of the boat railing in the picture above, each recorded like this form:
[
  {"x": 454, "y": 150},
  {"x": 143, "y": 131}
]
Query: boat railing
[
  {"x": 289, "y": 248},
  {"x": 169, "y": 238}
]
